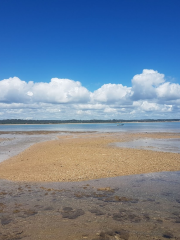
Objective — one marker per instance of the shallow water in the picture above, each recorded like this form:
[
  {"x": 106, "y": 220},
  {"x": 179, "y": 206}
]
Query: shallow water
[
  {"x": 100, "y": 127},
  {"x": 160, "y": 145},
  {"x": 135, "y": 207},
  {"x": 14, "y": 143}
]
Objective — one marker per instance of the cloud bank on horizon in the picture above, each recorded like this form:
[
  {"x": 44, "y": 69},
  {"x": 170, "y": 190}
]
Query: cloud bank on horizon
[{"x": 150, "y": 96}]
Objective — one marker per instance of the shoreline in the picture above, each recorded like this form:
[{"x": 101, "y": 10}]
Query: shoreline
[
  {"x": 86, "y": 156},
  {"x": 1, "y": 124}
]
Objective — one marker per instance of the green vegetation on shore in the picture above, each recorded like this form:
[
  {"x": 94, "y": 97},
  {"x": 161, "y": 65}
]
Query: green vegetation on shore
[{"x": 24, "y": 121}]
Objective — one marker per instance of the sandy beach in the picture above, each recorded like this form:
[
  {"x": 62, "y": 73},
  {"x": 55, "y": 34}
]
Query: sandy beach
[{"x": 85, "y": 156}]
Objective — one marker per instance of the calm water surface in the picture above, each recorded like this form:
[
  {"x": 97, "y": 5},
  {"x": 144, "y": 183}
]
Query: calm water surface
[
  {"x": 105, "y": 127},
  {"x": 160, "y": 145}
]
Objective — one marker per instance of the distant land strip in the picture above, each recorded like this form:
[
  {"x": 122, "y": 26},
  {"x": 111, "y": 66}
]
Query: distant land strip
[{"x": 26, "y": 121}]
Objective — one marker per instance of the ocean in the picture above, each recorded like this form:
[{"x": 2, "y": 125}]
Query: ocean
[{"x": 99, "y": 127}]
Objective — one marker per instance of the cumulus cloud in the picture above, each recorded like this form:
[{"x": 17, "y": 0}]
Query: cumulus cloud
[
  {"x": 144, "y": 85},
  {"x": 56, "y": 91},
  {"x": 110, "y": 93},
  {"x": 152, "y": 107},
  {"x": 168, "y": 91},
  {"x": 14, "y": 90},
  {"x": 60, "y": 91},
  {"x": 150, "y": 96}
]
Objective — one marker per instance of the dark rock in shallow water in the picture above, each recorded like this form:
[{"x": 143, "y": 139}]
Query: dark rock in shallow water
[
  {"x": 103, "y": 236},
  {"x": 166, "y": 194},
  {"x": 177, "y": 220},
  {"x": 122, "y": 233},
  {"x": 48, "y": 208},
  {"x": 146, "y": 216},
  {"x": 30, "y": 212},
  {"x": 70, "y": 213},
  {"x": 5, "y": 220},
  {"x": 135, "y": 200},
  {"x": 10, "y": 237},
  {"x": 67, "y": 209},
  {"x": 97, "y": 212},
  {"x": 122, "y": 199},
  {"x": 168, "y": 234},
  {"x": 118, "y": 217},
  {"x": 124, "y": 215},
  {"x": 134, "y": 218},
  {"x": 125, "y": 199},
  {"x": 159, "y": 220},
  {"x": 113, "y": 235},
  {"x": 176, "y": 213},
  {"x": 150, "y": 200}
]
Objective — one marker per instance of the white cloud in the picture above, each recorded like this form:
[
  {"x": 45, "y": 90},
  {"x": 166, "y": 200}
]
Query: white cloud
[
  {"x": 110, "y": 110},
  {"x": 14, "y": 111},
  {"x": 29, "y": 93},
  {"x": 147, "y": 106},
  {"x": 150, "y": 96},
  {"x": 168, "y": 91},
  {"x": 144, "y": 84},
  {"x": 150, "y": 106},
  {"x": 81, "y": 112},
  {"x": 13, "y": 90},
  {"x": 60, "y": 91},
  {"x": 110, "y": 93},
  {"x": 90, "y": 106}
]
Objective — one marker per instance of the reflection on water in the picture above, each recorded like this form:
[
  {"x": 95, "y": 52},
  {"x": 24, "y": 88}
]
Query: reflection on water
[
  {"x": 162, "y": 145},
  {"x": 129, "y": 207}
]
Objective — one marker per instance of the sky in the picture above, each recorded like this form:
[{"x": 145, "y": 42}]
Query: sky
[{"x": 90, "y": 59}]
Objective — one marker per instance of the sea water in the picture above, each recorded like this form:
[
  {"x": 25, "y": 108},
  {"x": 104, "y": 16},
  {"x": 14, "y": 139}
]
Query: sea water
[{"x": 100, "y": 127}]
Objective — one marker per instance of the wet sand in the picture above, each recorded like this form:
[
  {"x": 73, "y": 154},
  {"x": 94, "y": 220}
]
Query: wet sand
[{"x": 86, "y": 156}]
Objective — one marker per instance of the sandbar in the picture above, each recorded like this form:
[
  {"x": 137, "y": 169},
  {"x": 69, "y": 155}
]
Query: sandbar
[{"x": 85, "y": 156}]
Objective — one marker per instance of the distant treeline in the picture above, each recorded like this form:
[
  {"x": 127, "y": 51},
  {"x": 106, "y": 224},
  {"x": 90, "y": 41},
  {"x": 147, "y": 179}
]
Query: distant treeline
[{"x": 24, "y": 121}]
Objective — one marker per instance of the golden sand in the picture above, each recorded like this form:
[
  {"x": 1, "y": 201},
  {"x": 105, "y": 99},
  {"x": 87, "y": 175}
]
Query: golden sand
[{"x": 79, "y": 157}]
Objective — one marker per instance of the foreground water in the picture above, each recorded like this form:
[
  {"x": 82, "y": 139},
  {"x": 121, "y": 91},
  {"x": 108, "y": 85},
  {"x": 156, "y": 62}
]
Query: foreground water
[{"x": 135, "y": 207}]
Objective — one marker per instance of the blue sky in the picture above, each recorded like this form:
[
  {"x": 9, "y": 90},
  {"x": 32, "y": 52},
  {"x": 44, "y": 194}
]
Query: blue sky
[{"x": 100, "y": 44}]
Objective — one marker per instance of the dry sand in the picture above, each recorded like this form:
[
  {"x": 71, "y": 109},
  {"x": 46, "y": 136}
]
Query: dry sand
[{"x": 85, "y": 156}]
